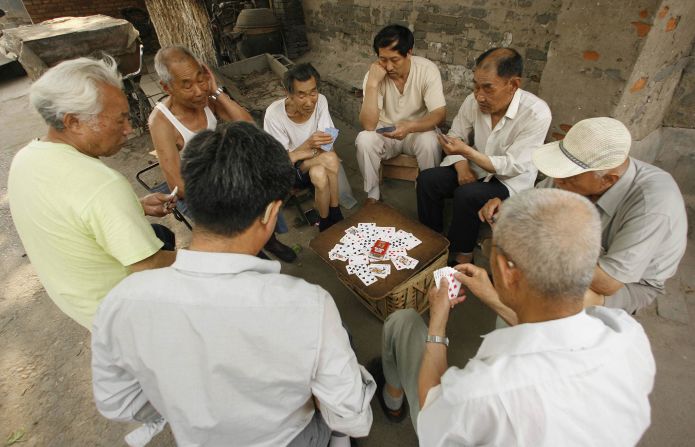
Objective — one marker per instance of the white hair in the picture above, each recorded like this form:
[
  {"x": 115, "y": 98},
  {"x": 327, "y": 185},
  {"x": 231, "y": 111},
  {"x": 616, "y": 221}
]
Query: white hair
[
  {"x": 167, "y": 55},
  {"x": 73, "y": 87},
  {"x": 553, "y": 237}
]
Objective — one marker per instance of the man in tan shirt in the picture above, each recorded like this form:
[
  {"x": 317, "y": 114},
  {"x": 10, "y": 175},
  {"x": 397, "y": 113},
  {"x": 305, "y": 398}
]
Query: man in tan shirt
[{"x": 403, "y": 102}]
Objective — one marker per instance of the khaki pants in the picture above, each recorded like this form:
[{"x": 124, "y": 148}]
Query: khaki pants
[
  {"x": 373, "y": 147},
  {"x": 401, "y": 354}
]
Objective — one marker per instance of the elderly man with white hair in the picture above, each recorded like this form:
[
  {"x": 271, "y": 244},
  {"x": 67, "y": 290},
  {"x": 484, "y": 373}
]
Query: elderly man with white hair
[
  {"x": 562, "y": 376},
  {"x": 81, "y": 224},
  {"x": 643, "y": 220}
]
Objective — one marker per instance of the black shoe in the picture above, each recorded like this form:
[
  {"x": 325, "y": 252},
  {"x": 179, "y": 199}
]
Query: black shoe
[
  {"x": 334, "y": 214},
  {"x": 325, "y": 223},
  {"x": 396, "y": 416},
  {"x": 282, "y": 251}
]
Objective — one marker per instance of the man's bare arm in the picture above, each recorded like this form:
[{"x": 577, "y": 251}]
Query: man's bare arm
[
  {"x": 369, "y": 113},
  {"x": 163, "y": 258},
  {"x": 229, "y": 110},
  {"x": 164, "y": 140}
]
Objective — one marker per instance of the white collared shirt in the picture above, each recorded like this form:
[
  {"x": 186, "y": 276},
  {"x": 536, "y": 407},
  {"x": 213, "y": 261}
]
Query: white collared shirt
[
  {"x": 583, "y": 380},
  {"x": 510, "y": 144},
  {"x": 229, "y": 350}
]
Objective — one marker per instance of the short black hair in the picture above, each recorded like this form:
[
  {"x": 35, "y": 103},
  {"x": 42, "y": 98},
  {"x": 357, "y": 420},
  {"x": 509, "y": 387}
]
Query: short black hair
[
  {"x": 301, "y": 73},
  {"x": 398, "y": 34},
  {"x": 232, "y": 174},
  {"x": 508, "y": 60}
]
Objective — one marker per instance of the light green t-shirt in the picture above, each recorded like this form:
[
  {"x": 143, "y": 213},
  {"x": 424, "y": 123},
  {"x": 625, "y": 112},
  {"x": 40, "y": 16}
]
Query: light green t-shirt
[{"x": 80, "y": 222}]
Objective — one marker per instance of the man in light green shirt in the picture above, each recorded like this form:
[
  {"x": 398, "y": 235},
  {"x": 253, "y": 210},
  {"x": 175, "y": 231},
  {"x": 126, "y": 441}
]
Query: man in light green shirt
[{"x": 81, "y": 224}]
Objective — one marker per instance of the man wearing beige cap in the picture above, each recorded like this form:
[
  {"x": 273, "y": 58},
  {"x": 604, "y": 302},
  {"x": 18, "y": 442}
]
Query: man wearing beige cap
[{"x": 643, "y": 220}]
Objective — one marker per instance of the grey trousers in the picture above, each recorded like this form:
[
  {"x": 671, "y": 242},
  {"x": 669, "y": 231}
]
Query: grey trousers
[
  {"x": 316, "y": 434},
  {"x": 401, "y": 354}
]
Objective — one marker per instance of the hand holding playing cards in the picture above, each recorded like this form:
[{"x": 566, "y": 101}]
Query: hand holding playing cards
[
  {"x": 477, "y": 281},
  {"x": 488, "y": 213},
  {"x": 318, "y": 138},
  {"x": 402, "y": 130},
  {"x": 158, "y": 204},
  {"x": 440, "y": 305},
  {"x": 453, "y": 146}
]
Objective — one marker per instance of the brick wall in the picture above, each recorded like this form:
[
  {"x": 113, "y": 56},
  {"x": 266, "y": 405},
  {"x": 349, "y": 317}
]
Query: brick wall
[
  {"x": 451, "y": 33},
  {"x": 41, "y": 10},
  {"x": 291, "y": 14}
]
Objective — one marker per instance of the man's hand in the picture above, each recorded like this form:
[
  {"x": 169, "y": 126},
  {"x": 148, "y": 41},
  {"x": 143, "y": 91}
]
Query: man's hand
[
  {"x": 440, "y": 305},
  {"x": 476, "y": 280},
  {"x": 464, "y": 172},
  {"x": 318, "y": 138},
  {"x": 403, "y": 129},
  {"x": 488, "y": 213},
  {"x": 377, "y": 73},
  {"x": 211, "y": 79},
  {"x": 158, "y": 204},
  {"x": 454, "y": 146}
]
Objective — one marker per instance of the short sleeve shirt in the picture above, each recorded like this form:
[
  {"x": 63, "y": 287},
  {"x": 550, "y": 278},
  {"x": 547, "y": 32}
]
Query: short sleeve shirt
[
  {"x": 290, "y": 134},
  {"x": 422, "y": 93},
  {"x": 644, "y": 226},
  {"x": 80, "y": 222}
]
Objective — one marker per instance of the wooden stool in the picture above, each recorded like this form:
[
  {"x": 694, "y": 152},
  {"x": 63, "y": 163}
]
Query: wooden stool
[{"x": 401, "y": 167}]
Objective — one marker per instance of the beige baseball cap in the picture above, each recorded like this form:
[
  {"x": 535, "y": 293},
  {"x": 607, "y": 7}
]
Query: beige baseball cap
[{"x": 592, "y": 144}]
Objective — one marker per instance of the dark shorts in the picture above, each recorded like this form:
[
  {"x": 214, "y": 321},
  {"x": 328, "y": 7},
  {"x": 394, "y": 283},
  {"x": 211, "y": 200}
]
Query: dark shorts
[{"x": 301, "y": 179}]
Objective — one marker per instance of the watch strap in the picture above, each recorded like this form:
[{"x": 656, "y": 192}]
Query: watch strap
[{"x": 437, "y": 339}]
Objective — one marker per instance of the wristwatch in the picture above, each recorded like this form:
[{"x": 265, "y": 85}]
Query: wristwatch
[
  {"x": 217, "y": 93},
  {"x": 437, "y": 339}
]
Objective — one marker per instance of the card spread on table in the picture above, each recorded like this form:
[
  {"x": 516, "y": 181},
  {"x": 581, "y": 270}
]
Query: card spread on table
[
  {"x": 454, "y": 284},
  {"x": 367, "y": 248}
]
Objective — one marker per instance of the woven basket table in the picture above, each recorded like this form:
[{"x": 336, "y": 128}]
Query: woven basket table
[{"x": 402, "y": 289}]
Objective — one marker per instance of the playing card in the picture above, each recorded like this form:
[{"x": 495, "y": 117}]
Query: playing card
[
  {"x": 334, "y": 133},
  {"x": 404, "y": 262},
  {"x": 358, "y": 260},
  {"x": 367, "y": 278},
  {"x": 380, "y": 270},
  {"x": 454, "y": 284}
]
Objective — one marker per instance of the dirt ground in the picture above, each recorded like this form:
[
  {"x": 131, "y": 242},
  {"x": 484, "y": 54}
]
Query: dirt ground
[{"x": 45, "y": 385}]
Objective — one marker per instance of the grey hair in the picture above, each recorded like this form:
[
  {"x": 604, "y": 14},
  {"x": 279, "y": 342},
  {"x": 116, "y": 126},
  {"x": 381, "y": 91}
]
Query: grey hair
[
  {"x": 73, "y": 87},
  {"x": 165, "y": 56},
  {"x": 554, "y": 238}
]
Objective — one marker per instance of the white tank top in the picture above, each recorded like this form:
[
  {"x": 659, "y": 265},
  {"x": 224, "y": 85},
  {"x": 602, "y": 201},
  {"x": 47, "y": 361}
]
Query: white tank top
[{"x": 186, "y": 134}]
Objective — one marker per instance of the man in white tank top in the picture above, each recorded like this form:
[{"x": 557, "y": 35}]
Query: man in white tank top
[{"x": 195, "y": 103}]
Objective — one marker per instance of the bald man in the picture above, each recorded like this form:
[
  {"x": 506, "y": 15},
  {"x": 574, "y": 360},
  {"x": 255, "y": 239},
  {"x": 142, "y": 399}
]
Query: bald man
[
  {"x": 195, "y": 103},
  {"x": 488, "y": 150}
]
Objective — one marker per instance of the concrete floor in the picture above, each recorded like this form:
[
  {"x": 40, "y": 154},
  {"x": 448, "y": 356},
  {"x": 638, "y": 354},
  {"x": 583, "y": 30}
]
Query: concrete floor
[{"x": 44, "y": 356}]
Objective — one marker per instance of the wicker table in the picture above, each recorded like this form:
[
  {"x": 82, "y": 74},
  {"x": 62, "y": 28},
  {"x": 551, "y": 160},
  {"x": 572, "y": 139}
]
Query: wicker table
[{"x": 402, "y": 288}]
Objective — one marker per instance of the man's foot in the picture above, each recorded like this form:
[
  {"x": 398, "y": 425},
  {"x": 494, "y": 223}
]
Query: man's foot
[
  {"x": 396, "y": 416},
  {"x": 282, "y": 251},
  {"x": 460, "y": 258},
  {"x": 371, "y": 201},
  {"x": 334, "y": 214},
  {"x": 325, "y": 223}
]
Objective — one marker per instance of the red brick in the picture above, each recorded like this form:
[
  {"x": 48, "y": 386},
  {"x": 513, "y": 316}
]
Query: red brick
[
  {"x": 638, "y": 85},
  {"x": 642, "y": 28},
  {"x": 591, "y": 55},
  {"x": 557, "y": 136},
  {"x": 663, "y": 12},
  {"x": 565, "y": 127},
  {"x": 672, "y": 23}
]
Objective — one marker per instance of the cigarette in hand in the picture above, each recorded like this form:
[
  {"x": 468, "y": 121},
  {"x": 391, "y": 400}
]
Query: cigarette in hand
[{"x": 170, "y": 197}]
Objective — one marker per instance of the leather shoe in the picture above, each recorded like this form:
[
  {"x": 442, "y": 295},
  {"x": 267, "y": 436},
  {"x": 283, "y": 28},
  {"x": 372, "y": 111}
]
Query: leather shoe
[
  {"x": 396, "y": 416},
  {"x": 280, "y": 250}
]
